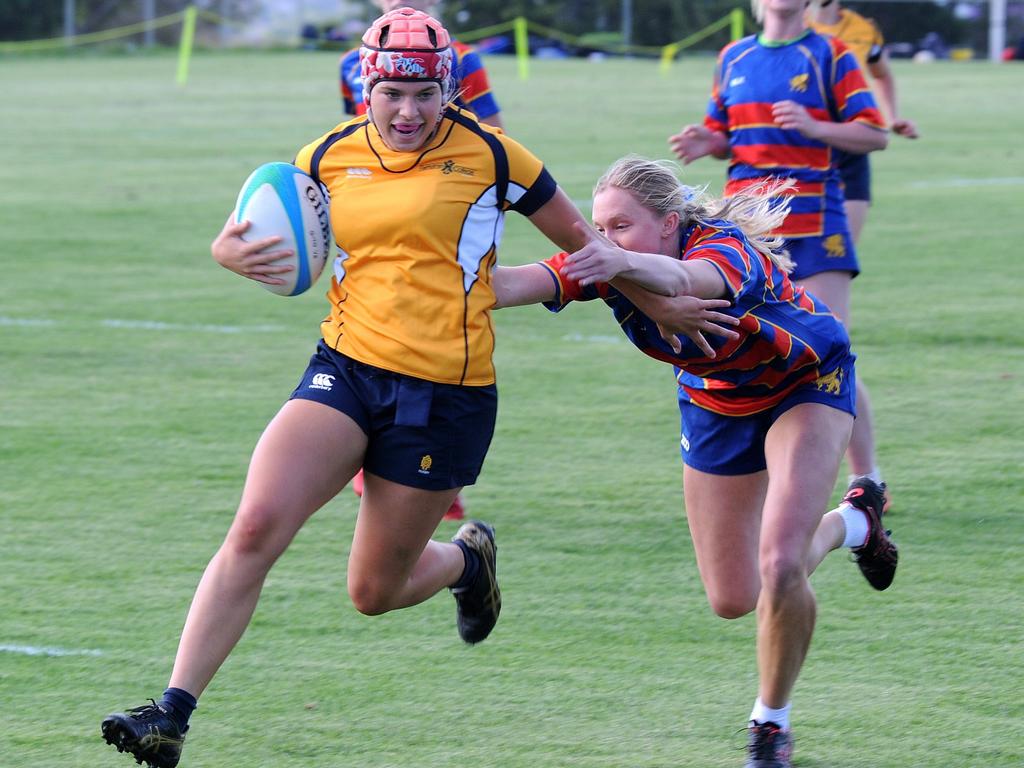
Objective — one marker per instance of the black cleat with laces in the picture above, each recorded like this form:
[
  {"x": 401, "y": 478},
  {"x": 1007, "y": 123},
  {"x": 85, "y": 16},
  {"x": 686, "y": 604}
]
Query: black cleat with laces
[
  {"x": 149, "y": 733},
  {"x": 478, "y": 604},
  {"x": 768, "y": 746},
  {"x": 878, "y": 557}
]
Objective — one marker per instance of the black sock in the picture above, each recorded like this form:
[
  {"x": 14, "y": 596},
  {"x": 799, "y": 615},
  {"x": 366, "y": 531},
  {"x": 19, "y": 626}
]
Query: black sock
[
  {"x": 471, "y": 569},
  {"x": 180, "y": 704}
]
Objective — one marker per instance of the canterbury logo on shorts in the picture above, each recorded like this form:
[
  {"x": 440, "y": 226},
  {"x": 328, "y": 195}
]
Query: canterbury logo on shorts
[{"x": 322, "y": 381}]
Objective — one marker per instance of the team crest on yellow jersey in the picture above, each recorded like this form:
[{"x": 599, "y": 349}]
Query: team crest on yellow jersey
[
  {"x": 448, "y": 167},
  {"x": 835, "y": 246},
  {"x": 799, "y": 83},
  {"x": 830, "y": 383},
  {"x": 426, "y": 463}
]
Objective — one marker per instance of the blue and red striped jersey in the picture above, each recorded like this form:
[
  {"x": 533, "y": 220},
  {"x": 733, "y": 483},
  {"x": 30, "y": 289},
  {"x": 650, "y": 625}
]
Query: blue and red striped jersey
[
  {"x": 787, "y": 338},
  {"x": 822, "y": 75},
  {"x": 472, "y": 89}
]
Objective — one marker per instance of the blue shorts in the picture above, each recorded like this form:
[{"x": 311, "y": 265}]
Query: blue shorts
[
  {"x": 734, "y": 445},
  {"x": 812, "y": 255},
  {"x": 420, "y": 433},
  {"x": 855, "y": 171}
]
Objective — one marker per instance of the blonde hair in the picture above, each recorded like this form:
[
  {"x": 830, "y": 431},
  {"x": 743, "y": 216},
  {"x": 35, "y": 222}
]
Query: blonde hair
[{"x": 755, "y": 211}]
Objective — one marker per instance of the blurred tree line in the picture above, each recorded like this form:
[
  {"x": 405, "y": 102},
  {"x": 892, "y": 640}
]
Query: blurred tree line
[
  {"x": 655, "y": 22},
  {"x": 659, "y": 22}
]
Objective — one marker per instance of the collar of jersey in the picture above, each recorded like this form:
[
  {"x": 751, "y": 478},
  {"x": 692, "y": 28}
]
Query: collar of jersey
[
  {"x": 781, "y": 43},
  {"x": 384, "y": 153}
]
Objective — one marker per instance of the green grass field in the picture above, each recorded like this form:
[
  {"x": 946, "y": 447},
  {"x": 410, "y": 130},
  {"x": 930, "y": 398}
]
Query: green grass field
[{"x": 136, "y": 375}]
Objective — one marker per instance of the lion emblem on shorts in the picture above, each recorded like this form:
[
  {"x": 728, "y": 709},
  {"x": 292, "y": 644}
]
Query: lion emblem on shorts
[
  {"x": 830, "y": 383},
  {"x": 835, "y": 246}
]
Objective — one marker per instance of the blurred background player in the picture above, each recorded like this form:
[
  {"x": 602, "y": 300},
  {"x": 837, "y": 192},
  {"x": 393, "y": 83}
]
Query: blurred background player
[
  {"x": 862, "y": 36},
  {"x": 766, "y": 413},
  {"x": 783, "y": 102},
  {"x": 472, "y": 89}
]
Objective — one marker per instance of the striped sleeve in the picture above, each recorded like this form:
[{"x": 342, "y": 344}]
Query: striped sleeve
[
  {"x": 851, "y": 93},
  {"x": 350, "y": 85},
  {"x": 728, "y": 255},
  {"x": 474, "y": 88},
  {"x": 717, "y": 117},
  {"x": 567, "y": 291}
]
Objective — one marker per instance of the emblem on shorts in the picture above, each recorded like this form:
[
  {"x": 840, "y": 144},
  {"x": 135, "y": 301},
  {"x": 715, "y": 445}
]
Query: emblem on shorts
[
  {"x": 425, "y": 464},
  {"x": 799, "y": 83},
  {"x": 684, "y": 442},
  {"x": 830, "y": 383},
  {"x": 835, "y": 246},
  {"x": 322, "y": 381}
]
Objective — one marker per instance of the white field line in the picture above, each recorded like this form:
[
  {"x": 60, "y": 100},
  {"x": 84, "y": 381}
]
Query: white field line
[
  {"x": 144, "y": 325},
  {"x": 593, "y": 338},
  {"x": 36, "y": 650}
]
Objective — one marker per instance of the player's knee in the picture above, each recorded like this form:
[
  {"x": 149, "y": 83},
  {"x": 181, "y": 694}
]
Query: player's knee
[
  {"x": 368, "y": 596},
  {"x": 781, "y": 573},
  {"x": 253, "y": 530},
  {"x": 733, "y": 604}
]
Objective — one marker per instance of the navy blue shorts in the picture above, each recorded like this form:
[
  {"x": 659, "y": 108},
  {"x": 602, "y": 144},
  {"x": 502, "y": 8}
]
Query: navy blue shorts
[
  {"x": 734, "y": 445},
  {"x": 420, "y": 433},
  {"x": 812, "y": 255},
  {"x": 855, "y": 171}
]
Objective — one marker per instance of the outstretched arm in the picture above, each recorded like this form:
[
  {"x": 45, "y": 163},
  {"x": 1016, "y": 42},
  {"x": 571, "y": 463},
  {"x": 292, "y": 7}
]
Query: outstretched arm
[
  {"x": 682, "y": 316},
  {"x": 601, "y": 261},
  {"x": 529, "y": 284},
  {"x": 680, "y": 296},
  {"x": 882, "y": 72},
  {"x": 562, "y": 223}
]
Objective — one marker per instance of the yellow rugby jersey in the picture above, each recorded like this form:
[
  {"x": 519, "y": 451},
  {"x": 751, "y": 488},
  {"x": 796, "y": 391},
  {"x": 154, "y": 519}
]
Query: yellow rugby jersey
[
  {"x": 861, "y": 35},
  {"x": 417, "y": 237}
]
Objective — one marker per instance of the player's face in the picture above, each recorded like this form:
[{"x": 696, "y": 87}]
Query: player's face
[
  {"x": 405, "y": 113},
  {"x": 623, "y": 220}
]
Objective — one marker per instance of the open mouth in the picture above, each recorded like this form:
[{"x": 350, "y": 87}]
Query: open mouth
[{"x": 406, "y": 130}]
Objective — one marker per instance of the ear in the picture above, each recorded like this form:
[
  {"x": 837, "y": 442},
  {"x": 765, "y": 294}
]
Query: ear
[{"x": 670, "y": 224}]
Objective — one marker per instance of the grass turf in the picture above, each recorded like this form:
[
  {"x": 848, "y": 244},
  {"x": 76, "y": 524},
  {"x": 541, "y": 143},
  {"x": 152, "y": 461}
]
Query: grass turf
[{"x": 136, "y": 377}]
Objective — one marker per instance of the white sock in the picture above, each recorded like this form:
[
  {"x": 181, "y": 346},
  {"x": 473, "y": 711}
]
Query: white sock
[
  {"x": 856, "y": 526},
  {"x": 875, "y": 474},
  {"x": 764, "y": 714}
]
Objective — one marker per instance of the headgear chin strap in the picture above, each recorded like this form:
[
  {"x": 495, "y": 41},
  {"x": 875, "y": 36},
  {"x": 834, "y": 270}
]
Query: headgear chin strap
[{"x": 406, "y": 44}]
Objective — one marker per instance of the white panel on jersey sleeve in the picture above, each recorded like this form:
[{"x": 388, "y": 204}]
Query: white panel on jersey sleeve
[
  {"x": 515, "y": 192},
  {"x": 480, "y": 232}
]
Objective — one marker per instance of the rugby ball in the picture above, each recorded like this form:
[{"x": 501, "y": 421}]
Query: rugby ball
[{"x": 280, "y": 199}]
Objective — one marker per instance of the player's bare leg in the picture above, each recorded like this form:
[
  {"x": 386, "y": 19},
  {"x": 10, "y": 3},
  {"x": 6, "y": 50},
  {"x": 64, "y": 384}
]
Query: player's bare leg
[
  {"x": 834, "y": 289},
  {"x": 856, "y": 215},
  {"x": 724, "y": 513},
  {"x": 305, "y": 456},
  {"x": 803, "y": 450}
]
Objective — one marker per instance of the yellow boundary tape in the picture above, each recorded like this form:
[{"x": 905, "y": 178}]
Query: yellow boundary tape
[
  {"x": 92, "y": 37},
  {"x": 520, "y": 27}
]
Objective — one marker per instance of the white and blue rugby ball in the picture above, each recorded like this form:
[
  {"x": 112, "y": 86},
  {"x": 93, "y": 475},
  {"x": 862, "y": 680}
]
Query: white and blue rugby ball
[{"x": 279, "y": 199}]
